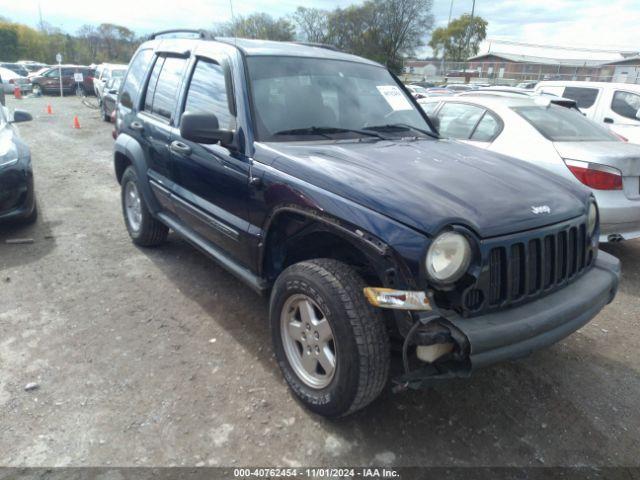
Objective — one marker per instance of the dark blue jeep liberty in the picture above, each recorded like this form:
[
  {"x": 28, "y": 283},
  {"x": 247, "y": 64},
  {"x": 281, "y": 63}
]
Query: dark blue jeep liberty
[{"x": 314, "y": 176}]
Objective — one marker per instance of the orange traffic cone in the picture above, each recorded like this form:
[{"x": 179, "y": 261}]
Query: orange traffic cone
[
  {"x": 49, "y": 109},
  {"x": 17, "y": 93},
  {"x": 76, "y": 122}
]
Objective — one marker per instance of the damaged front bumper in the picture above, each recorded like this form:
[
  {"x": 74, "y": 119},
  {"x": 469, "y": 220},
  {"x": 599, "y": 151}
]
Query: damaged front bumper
[{"x": 515, "y": 332}]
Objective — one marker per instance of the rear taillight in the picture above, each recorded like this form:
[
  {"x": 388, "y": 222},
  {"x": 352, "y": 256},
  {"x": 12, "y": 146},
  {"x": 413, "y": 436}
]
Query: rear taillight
[{"x": 599, "y": 177}]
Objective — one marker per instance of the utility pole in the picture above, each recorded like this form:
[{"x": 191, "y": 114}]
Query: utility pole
[
  {"x": 450, "y": 11},
  {"x": 40, "y": 15}
]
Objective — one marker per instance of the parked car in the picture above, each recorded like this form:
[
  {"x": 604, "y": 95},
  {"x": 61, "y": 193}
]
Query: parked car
[
  {"x": 106, "y": 72},
  {"x": 460, "y": 87},
  {"x": 17, "y": 197},
  {"x": 10, "y": 79},
  {"x": 559, "y": 139},
  {"x": 417, "y": 91},
  {"x": 31, "y": 66},
  {"x": 528, "y": 85},
  {"x": 617, "y": 105},
  {"x": 110, "y": 98},
  {"x": 48, "y": 81},
  {"x": 16, "y": 68},
  {"x": 348, "y": 210}
]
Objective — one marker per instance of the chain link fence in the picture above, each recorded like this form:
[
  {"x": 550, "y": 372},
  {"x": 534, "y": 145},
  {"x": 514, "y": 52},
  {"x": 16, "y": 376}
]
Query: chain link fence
[{"x": 513, "y": 73}]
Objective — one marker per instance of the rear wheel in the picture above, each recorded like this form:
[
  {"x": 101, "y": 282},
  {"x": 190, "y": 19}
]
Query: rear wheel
[
  {"x": 331, "y": 344},
  {"x": 143, "y": 229},
  {"x": 105, "y": 116},
  {"x": 37, "y": 90}
]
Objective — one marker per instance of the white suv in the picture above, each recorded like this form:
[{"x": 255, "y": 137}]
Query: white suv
[{"x": 615, "y": 104}]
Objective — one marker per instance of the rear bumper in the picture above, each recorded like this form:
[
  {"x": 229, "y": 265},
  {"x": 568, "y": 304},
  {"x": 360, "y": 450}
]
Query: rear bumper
[{"x": 517, "y": 332}]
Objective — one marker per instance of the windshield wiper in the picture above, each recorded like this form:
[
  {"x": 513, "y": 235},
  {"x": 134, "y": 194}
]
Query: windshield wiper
[
  {"x": 402, "y": 126},
  {"x": 326, "y": 131}
]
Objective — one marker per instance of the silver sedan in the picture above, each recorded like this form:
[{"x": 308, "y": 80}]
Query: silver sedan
[{"x": 557, "y": 138}]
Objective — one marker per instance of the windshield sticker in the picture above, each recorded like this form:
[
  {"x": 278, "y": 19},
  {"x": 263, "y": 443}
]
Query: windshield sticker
[{"x": 394, "y": 97}]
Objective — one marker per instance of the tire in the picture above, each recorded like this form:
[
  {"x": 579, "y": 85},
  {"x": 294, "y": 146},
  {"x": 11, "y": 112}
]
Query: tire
[
  {"x": 37, "y": 90},
  {"x": 360, "y": 339},
  {"x": 105, "y": 116},
  {"x": 145, "y": 230},
  {"x": 32, "y": 217}
]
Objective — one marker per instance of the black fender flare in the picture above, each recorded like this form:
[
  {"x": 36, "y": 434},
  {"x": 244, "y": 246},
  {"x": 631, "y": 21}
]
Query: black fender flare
[
  {"x": 389, "y": 268},
  {"x": 129, "y": 147}
]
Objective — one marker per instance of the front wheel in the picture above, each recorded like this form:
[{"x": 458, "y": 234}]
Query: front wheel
[
  {"x": 143, "y": 229},
  {"x": 331, "y": 344}
]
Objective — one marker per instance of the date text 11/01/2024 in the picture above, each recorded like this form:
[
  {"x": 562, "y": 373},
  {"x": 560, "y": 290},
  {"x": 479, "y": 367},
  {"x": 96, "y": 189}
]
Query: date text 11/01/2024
[{"x": 315, "y": 473}]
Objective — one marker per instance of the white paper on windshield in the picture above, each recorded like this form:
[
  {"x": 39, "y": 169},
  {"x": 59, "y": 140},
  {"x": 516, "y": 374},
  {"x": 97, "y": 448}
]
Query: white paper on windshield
[{"x": 394, "y": 97}]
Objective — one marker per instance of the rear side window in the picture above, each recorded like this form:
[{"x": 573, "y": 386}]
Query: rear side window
[
  {"x": 458, "y": 120},
  {"x": 168, "y": 86},
  {"x": 208, "y": 93},
  {"x": 488, "y": 129},
  {"x": 626, "y": 104},
  {"x": 584, "y": 97},
  {"x": 560, "y": 124},
  {"x": 151, "y": 85},
  {"x": 135, "y": 78}
]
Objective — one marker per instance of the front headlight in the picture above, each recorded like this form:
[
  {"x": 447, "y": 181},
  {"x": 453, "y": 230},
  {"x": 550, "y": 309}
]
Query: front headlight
[
  {"x": 592, "y": 218},
  {"x": 448, "y": 257}
]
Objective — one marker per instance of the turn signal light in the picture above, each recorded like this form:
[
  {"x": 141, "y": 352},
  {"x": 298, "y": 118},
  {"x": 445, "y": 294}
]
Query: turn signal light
[
  {"x": 397, "y": 299},
  {"x": 599, "y": 177}
]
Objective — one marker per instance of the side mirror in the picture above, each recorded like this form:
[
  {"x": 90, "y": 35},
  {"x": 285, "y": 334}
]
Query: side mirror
[
  {"x": 20, "y": 116},
  {"x": 113, "y": 91},
  {"x": 203, "y": 128}
]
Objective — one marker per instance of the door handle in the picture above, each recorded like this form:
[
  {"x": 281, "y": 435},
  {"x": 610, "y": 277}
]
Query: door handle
[
  {"x": 608, "y": 120},
  {"x": 135, "y": 125},
  {"x": 180, "y": 148}
]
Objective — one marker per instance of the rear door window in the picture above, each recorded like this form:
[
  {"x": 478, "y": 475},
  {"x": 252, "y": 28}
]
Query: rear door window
[
  {"x": 168, "y": 87},
  {"x": 584, "y": 97},
  {"x": 151, "y": 85},
  {"x": 135, "y": 78},
  {"x": 626, "y": 104},
  {"x": 458, "y": 120}
]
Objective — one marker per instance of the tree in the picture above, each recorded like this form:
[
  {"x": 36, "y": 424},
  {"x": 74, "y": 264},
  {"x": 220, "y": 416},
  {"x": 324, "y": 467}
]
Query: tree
[
  {"x": 460, "y": 40},
  {"x": 313, "y": 24},
  {"x": 257, "y": 25},
  {"x": 382, "y": 30}
]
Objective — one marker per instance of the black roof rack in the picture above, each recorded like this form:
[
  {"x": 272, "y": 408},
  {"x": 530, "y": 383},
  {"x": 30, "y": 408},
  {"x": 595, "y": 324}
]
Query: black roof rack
[
  {"x": 318, "y": 45},
  {"x": 203, "y": 34}
]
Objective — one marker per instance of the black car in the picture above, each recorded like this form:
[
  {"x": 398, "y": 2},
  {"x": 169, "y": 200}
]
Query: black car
[
  {"x": 313, "y": 176},
  {"x": 110, "y": 98},
  {"x": 17, "y": 198}
]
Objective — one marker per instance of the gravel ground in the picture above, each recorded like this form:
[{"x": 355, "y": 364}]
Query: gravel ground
[{"x": 159, "y": 357}]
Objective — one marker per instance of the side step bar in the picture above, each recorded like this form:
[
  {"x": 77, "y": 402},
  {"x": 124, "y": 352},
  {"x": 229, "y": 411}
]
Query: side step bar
[{"x": 255, "y": 282}]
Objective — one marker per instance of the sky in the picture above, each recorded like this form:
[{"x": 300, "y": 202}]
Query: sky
[{"x": 579, "y": 23}]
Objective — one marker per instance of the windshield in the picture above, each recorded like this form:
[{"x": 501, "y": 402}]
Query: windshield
[
  {"x": 560, "y": 124},
  {"x": 317, "y": 98}
]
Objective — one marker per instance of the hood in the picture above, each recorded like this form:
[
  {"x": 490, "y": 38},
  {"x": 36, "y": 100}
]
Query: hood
[
  {"x": 621, "y": 155},
  {"x": 428, "y": 184}
]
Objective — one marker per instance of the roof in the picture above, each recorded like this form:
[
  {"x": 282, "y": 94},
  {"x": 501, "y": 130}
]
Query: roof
[
  {"x": 579, "y": 83},
  {"x": 252, "y": 47},
  {"x": 552, "y": 55},
  {"x": 629, "y": 60},
  {"x": 520, "y": 58},
  {"x": 271, "y": 48},
  {"x": 494, "y": 101}
]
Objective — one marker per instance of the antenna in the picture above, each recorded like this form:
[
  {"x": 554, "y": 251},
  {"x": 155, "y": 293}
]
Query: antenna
[
  {"x": 233, "y": 22},
  {"x": 40, "y": 15}
]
